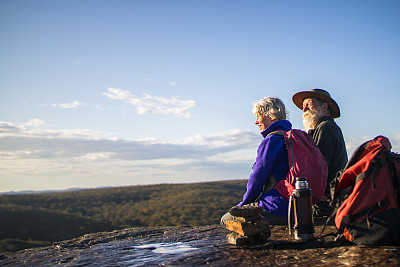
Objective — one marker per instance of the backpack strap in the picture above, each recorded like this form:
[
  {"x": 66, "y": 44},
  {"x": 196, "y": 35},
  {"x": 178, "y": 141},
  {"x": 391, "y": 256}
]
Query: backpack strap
[
  {"x": 271, "y": 181},
  {"x": 353, "y": 217},
  {"x": 288, "y": 145},
  {"x": 376, "y": 165},
  {"x": 277, "y": 132},
  {"x": 333, "y": 214},
  {"x": 268, "y": 185}
]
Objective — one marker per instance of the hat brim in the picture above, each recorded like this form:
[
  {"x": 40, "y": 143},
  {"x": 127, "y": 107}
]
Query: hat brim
[{"x": 299, "y": 97}]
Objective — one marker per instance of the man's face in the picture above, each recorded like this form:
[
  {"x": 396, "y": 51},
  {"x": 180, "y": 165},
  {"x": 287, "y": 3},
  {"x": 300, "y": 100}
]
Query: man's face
[
  {"x": 263, "y": 121},
  {"x": 310, "y": 104},
  {"x": 312, "y": 112}
]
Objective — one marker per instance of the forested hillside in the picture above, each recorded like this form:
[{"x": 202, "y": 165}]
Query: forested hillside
[{"x": 43, "y": 218}]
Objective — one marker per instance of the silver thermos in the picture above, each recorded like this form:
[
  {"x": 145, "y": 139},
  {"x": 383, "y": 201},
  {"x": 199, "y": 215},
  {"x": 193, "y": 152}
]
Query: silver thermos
[{"x": 301, "y": 203}]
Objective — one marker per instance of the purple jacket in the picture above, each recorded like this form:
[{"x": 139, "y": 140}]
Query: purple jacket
[{"x": 271, "y": 157}]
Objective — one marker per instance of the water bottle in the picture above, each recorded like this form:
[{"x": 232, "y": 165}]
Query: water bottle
[{"x": 301, "y": 201}]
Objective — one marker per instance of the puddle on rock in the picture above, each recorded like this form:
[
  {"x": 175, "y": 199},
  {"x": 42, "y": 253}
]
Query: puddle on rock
[
  {"x": 167, "y": 248},
  {"x": 127, "y": 253}
]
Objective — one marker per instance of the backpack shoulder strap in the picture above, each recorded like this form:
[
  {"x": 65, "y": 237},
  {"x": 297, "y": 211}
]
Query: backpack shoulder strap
[
  {"x": 277, "y": 132},
  {"x": 271, "y": 179}
]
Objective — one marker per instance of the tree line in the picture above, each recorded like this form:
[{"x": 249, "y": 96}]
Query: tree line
[{"x": 35, "y": 219}]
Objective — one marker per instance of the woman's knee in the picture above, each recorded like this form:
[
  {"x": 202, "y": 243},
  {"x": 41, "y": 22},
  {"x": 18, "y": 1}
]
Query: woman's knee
[{"x": 227, "y": 217}]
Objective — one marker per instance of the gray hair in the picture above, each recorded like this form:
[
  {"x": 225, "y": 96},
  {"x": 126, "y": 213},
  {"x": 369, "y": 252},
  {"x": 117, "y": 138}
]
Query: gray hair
[{"x": 271, "y": 106}]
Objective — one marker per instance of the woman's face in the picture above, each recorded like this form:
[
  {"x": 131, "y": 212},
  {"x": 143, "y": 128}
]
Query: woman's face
[{"x": 263, "y": 122}]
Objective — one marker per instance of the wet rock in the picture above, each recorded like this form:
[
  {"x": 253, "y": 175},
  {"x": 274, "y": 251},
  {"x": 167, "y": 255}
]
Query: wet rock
[{"x": 200, "y": 246}]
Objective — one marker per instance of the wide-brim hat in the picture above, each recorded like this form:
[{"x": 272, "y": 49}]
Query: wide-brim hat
[{"x": 299, "y": 97}]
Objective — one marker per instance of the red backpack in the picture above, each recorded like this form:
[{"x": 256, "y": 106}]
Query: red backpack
[
  {"x": 370, "y": 187},
  {"x": 305, "y": 160}
]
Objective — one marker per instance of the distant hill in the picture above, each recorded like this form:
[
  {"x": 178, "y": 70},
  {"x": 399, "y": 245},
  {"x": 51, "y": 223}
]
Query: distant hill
[
  {"x": 50, "y": 217},
  {"x": 39, "y": 191}
]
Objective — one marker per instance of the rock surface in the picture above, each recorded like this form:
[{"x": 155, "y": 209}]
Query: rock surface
[{"x": 199, "y": 246}]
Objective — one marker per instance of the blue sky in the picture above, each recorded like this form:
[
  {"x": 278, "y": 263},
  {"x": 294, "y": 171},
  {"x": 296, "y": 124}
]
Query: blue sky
[{"x": 111, "y": 93}]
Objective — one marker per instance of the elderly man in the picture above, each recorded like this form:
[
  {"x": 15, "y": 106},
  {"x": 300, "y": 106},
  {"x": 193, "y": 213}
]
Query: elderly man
[
  {"x": 319, "y": 112},
  {"x": 272, "y": 158}
]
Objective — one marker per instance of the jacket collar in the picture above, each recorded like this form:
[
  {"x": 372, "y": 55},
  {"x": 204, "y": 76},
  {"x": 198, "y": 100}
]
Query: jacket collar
[
  {"x": 325, "y": 118},
  {"x": 278, "y": 125}
]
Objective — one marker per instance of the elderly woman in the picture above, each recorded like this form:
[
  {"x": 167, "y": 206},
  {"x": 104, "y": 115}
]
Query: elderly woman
[{"x": 271, "y": 163}]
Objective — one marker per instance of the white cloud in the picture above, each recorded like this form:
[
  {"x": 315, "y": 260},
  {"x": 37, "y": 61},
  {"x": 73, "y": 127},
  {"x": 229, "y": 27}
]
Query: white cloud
[
  {"x": 228, "y": 138},
  {"x": 173, "y": 83},
  {"x": 47, "y": 158},
  {"x": 81, "y": 157},
  {"x": 353, "y": 143},
  {"x": 73, "y": 104},
  {"x": 12, "y": 130},
  {"x": 153, "y": 104},
  {"x": 90, "y": 157},
  {"x": 17, "y": 140},
  {"x": 35, "y": 123},
  {"x": 396, "y": 143}
]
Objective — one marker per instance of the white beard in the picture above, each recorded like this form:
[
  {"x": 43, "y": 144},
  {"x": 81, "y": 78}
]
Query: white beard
[{"x": 310, "y": 119}]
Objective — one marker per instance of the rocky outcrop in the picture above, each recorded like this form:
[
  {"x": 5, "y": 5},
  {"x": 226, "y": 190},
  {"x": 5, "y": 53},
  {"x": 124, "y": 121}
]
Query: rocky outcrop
[{"x": 199, "y": 246}]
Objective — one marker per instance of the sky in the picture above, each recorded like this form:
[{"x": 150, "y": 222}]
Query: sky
[{"x": 114, "y": 93}]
